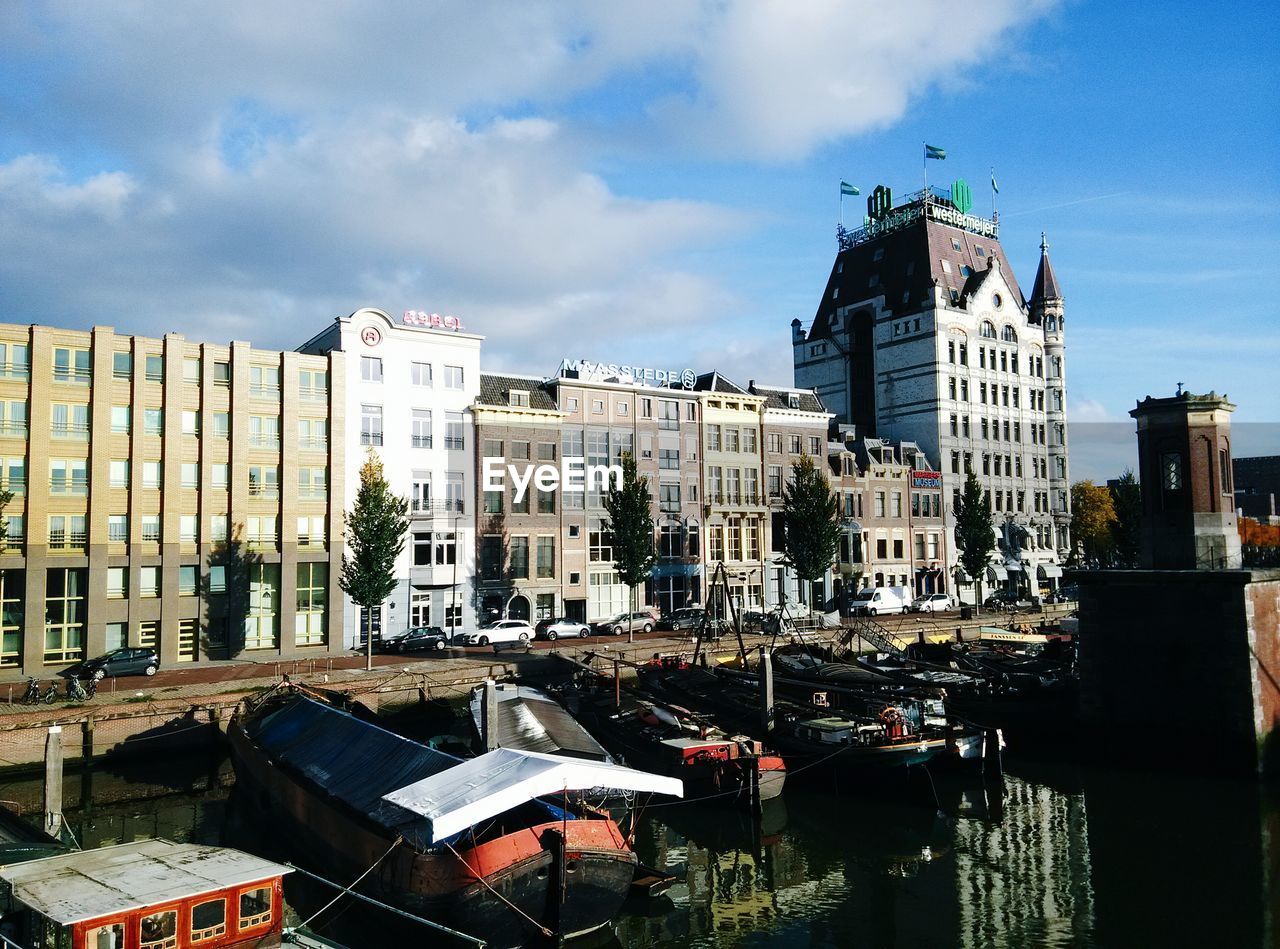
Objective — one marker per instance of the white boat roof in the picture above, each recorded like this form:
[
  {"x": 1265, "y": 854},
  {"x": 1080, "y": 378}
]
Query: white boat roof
[
  {"x": 696, "y": 742},
  {"x": 500, "y": 780},
  {"x": 88, "y": 884}
]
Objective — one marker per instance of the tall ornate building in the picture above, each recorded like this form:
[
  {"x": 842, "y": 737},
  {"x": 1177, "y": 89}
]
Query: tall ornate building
[{"x": 923, "y": 335}]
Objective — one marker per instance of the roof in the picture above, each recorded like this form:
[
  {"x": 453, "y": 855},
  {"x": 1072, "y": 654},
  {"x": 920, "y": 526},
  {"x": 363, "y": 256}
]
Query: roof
[
  {"x": 779, "y": 398},
  {"x": 1046, "y": 285},
  {"x": 714, "y": 382},
  {"x": 497, "y": 781},
  {"x": 908, "y": 261},
  {"x": 528, "y": 720},
  {"x": 88, "y": 884},
  {"x": 494, "y": 390}
]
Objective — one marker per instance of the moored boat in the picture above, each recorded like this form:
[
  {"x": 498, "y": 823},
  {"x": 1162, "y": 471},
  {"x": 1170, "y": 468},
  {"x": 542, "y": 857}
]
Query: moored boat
[{"x": 476, "y": 845}]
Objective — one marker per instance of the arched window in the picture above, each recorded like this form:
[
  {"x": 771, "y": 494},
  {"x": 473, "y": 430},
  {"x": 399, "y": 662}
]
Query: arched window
[
  {"x": 987, "y": 330},
  {"x": 1008, "y": 335}
]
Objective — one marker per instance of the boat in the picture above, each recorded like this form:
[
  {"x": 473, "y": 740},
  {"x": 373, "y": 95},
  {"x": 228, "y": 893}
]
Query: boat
[
  {"x": 838, "y": 743},
  {"x": 668, "y": 739},
  {"x": 150, "y": 894},
  {"x": 489, "y": 846},
  {"x": 529, "y": 719}
]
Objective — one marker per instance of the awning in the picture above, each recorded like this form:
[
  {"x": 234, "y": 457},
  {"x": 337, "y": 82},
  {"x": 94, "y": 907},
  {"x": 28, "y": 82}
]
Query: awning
[
  {"x": 1050, "y": 570},
  {"x": 1028, "y": 568},
  {"x": 500, "y": 780}
]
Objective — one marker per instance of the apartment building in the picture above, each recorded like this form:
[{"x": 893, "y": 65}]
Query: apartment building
[
  {"x": 178, "y": 495},
  {"x": 411, "y": 384}
]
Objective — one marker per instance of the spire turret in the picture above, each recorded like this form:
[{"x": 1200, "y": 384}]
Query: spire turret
[{"x": 1046, "y": 286}]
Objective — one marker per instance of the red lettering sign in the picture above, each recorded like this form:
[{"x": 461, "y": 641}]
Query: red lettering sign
[{"x": 431, "y": 320}]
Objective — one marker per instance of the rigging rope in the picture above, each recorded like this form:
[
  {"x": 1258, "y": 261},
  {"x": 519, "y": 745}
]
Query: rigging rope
[{"x": 394, "y": 844}]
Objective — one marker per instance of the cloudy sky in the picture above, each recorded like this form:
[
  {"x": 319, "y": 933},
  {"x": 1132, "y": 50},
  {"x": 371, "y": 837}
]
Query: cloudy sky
[{"x": 653, "y": 182}]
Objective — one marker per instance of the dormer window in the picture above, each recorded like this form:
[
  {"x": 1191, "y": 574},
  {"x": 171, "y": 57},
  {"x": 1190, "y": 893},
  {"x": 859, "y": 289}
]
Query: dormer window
[
  {"x": 793, "y": 401},
  {"x": 518, "y": 397}
]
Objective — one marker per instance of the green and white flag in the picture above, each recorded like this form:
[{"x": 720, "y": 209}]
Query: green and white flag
[
  {"x": 932, "y": 151},
  {"x": 994, "y": 187},
  {"x": 846, "y": 188}
]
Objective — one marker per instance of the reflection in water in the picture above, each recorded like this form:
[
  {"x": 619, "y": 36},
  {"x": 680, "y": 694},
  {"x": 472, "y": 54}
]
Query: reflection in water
[{"x": 1067, "y": 857}]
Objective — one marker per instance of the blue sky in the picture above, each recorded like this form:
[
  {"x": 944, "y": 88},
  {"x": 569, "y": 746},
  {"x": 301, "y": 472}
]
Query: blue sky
[{"x": 642, "y": 179}]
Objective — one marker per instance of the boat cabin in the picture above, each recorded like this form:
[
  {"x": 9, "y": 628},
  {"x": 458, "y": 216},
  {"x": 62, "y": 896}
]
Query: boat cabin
[{"x": 151, "y": 894}]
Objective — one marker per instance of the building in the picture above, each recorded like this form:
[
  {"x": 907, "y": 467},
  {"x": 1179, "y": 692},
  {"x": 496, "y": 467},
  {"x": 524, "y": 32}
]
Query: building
[
  {"x": 411, "y": 384},
  {"x": 923, "y": 335},
  {"x": 168, "y": 494},
  {"x": 1257, "y": 486}
]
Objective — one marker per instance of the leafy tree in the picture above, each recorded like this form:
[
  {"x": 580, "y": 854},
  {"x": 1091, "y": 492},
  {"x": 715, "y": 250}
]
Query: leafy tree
[
  {"x": 810, "y": 514},
  {"x": 1126, "y": 532},
  {"x": 376, "y": 526},
  {"x": 630, "y": 510},
  {"x": 975, "y": 537},
  {"x": 5, "y": 498},
  {"x": 1093, "y": 514}
]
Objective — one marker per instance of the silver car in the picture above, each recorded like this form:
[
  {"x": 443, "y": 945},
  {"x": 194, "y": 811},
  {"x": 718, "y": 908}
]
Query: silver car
[{"x": 932, "y": 603}]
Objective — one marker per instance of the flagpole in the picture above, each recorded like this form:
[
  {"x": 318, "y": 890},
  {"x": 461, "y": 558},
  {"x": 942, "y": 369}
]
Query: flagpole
[
  {"x": 993, "y": 192},
  {"x": 924, "y": 166}
]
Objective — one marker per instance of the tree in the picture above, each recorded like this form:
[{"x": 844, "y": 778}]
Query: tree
[
  {"x": 1126, "y": 532},
  {"x": 5, "y": 498},
  {"x": 975, "y": 537},
  {"x": 376, "y": 526},
  {"x": 810, "y": 514},
  {"x": 630, "y": 510},
  {"x": 1093, "y": 514}
]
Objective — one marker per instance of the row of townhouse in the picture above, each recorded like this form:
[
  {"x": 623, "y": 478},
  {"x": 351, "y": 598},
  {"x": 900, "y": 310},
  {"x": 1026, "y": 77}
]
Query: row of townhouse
[{"x": 189, "y": 497}]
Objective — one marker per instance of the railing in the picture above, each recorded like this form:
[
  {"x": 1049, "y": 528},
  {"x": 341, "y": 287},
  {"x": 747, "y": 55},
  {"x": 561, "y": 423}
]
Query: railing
[
  {"x": 16, "y": 485},
  {"x": 265, "y": 491},
  {"x": 421, "y": 441},
  {"x": 371, "y": 438},
  {"x": 313, "y": 494},
  {"x": 455, "y": 442},
  {"x": 313, "y": 394},
  {"x": 881, "y": 637},
  {"x": 265, "y": 390},
  {"x": 261, "y": 540},
  {"x": 438, "y": 508},
  {"x": 68, "y": 540},
  {"x": 741, "y": 498},
  {"x": 76, "y": 430},
  {"x": 80, "y": 377},
  {"x": 264, "y": 441},
  {"x": 14, "y": 370},
  {"x": 313, "y": 444},
  {"x": 18, "y": 429},
  {"x": 69, "y": 485}
]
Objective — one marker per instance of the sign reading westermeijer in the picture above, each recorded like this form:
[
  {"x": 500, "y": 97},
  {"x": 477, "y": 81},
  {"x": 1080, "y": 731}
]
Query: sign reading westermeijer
[{"x": 640, "y": 375}]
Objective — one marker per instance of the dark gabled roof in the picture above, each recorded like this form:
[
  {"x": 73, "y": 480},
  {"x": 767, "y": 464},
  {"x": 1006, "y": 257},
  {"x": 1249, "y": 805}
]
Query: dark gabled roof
[
  {"x": 1046, "y": 286},
  {"x": 919, "y": 248},
  {"x": 776, "y": 398},
  {"x": 494, "y": 390},
  {"x": 714, "y": 382}
]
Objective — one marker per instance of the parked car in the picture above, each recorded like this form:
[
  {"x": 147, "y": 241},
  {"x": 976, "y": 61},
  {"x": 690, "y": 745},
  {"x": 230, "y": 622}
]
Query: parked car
[
  {"x": 501, "y": 631},
  {"x": 1002, "y": 600},
  {"x": 130, "y": 661},
  {"x": 932, "y": 603},
  {"x": 641, "y": 621},
  {"x": 685, "y": 618},
  {"x": 416, "y": 639},
  {"x": 877, "y": 601},
  {"x": 554, "y": 629}
]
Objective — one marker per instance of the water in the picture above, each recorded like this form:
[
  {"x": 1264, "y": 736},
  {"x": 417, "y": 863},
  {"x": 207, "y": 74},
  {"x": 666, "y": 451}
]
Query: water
[{"x": 1065, "y": 856}]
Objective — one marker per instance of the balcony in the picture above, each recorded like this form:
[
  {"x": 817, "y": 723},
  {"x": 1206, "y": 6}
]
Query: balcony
[
  {"x": 264, "y": 440},
  {"x": 14, "y": 484},
  {"x": 738, "y": 499},
  {"x": 311, "y": 443},
  {"x": 14, "y": 370},
  {"x": 264, "y": 390},
  {"x": 78, "y": 377},
  {"x": 266, "y": 492},
  {"x": 313, "y": 394},
  {"x": 422, "y": 441},
  {"x": 13, "y": 429},
  {"x": 69, "y": 486},
  {"x": 446, "y": 508},
  {"x": 77, "y": 431}
]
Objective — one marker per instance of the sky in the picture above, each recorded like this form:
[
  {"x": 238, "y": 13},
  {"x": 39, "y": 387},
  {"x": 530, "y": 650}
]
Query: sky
[{"x": 653, "y": 183}]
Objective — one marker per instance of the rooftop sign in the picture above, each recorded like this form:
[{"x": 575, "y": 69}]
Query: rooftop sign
[
  {"x": 926, "y": 479},
  {"x": 944, "y": 207},
  {"x": 636, "y": 375},
  {"x": 432, "y": 321}
]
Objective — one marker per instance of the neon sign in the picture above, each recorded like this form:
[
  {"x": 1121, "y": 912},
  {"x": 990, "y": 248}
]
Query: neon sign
[{"x": 926, "y": 479}]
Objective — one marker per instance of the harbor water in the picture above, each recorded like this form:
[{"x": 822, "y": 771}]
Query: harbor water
[{"x": 1049, "y": 856}]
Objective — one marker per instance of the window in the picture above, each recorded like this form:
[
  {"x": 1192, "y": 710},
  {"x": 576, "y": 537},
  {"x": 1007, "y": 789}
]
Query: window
[
  {"x": 312, "y": 601},
  {"x": 153, "y": 421},
  {"x": 794, "y": 444},
  {"x": 453, "y": 493},
  {"x": 597, "y": 406},
  {"x": 668, "y": 415},
  {"x": 260, "y": 623},
  {"x": 117, "y": 583},
  {"x": 730, "y": 439},
  {"x": 454, "y": 439},
  {"x": 190, "y": 422},
  {"x": 186, "y": 581},
  {"x": 370, "y": 369},
  {"x": 774, "y": 482},
  {"x": 713, "y": 438},
  {"x": 69, "y": 421},
  {"x": 190, "y": 474},
  {"x": 221, "y": 427},
  {"x": 749, "y": 440},
  {"x": 187, "y": 526},
  {"x": 208, "y": 920},
  {"x": 151, "y": 528},
  {"x": 421, "y": 436},
  {"x": 546, "y": 501},
  {"x": 313, "y": 385},
  {"x": 264, "y": 481},
  {"x": 159, "y": 930},
  {"x": 420, "y": 374},
  {"x": 895, "y": 507},
  {"x": 370, "y": 425},
  {"x": 65, "y": 596},
  {"x": 264, "y": 431},
  {"x": 1171, "y": 471},
  {"x": 68, "y": 476},
  {"x": 669, "y": 498},
  {"x": 775, "y": 443},
  {"x": 218, "y": 527},
  {"x": 815, "y": 445},
  {"x": 311, "y": 532},
  {"x": 122, "y": 365},
  {"x": 118, "y": 473},
  {"x": 546, "y": 558},
  {"x": 453, "y": 377},
  {"x": 222, "y": 374},
  {"x": 519, "y": 558},
  {"x": 313, "y": 433},
  {"x": 669, "y": 458},
  {"x": 260, "y": 531},
  {"x": 154, "y": 367},
  {"x": 313, "y": 483},
  {"x": 121, "y": 419},
  {"x": 191, "y": 370},
  {"x": 71, "y": 365}
]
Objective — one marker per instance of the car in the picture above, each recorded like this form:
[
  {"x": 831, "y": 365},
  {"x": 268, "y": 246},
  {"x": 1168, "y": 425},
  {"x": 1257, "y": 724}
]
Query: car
[
  {"x": 502, "y": 631},
  {"x": 639, "y": 621},
  {"x": 685, "y": 618},
  {"x": 1002, "y": 599},
  {"x": 931, "y": 603},
  {"x": 554, "y": 629},
  {"x": 129, "y": 661},
  {"x": 416, "y": 639},
  {"x": 875, "y": 601}
]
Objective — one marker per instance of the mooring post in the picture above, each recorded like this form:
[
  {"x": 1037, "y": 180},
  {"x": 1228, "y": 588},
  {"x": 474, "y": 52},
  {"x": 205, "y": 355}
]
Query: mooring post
[
  {"x": 617, "y": 683},
  {"x": 86, "y": 750},
  {"x": 766, "y": 689},
  {"x": 53, "y": 781},
  {"x": 489, "y": 715}
]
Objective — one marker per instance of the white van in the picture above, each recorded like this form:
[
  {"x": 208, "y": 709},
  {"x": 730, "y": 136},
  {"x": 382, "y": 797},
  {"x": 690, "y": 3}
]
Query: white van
[{"x": 877, "y": 601}]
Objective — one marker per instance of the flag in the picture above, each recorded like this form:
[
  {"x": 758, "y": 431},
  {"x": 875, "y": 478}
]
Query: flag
[
  {"x": 932, "y": 151},
  {"x": 994, "y": 187},
  {"x": 846, "y": 188}
]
